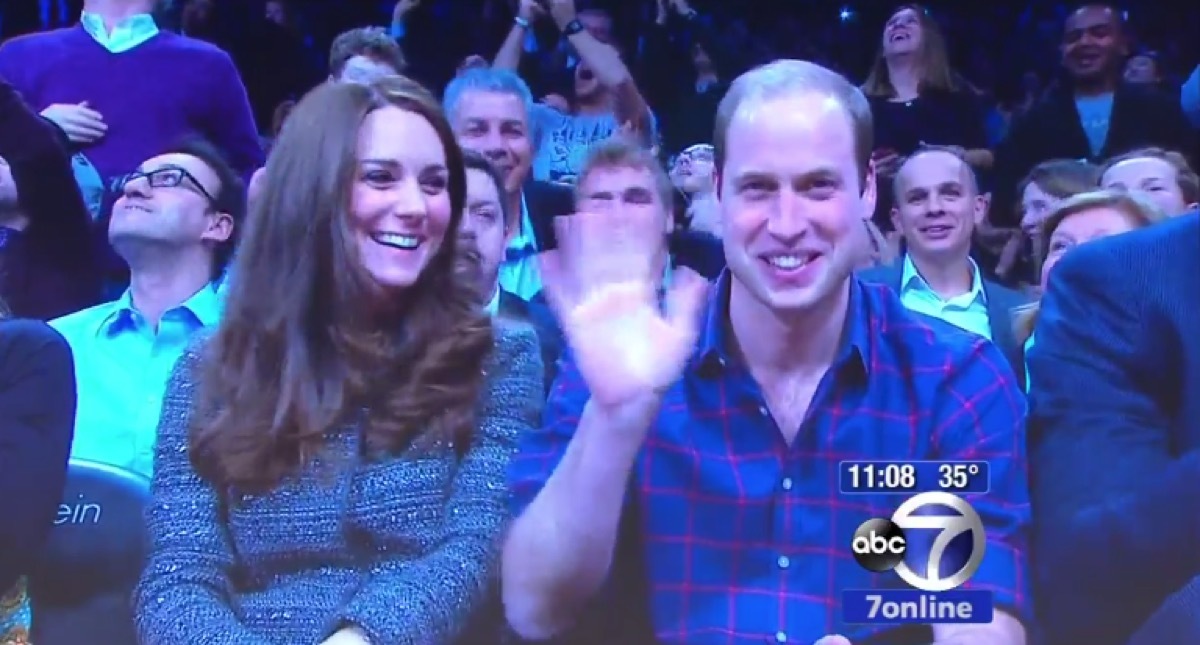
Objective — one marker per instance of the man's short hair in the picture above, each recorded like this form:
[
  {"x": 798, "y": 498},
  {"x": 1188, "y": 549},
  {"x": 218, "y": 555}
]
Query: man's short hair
[
  {"x": 624, "y": 152},
  {"x": 784, "y": 78},
  {"x": 957, "y": 153},
  {"x": 472, "y": 160},
  {"x": 1185, "y": 176},
  {"x": 374, "y": 43},
  {"x": 230, "y": 198},
  {"x": 486, "y": 79}
]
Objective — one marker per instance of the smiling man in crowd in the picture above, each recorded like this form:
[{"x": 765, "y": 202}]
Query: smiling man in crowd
[{"x": 938, "y": 206}]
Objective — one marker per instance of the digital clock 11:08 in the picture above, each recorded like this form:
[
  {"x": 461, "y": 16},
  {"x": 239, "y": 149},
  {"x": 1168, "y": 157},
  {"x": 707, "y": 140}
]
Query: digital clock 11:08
[{"x": 912, "y": 477}]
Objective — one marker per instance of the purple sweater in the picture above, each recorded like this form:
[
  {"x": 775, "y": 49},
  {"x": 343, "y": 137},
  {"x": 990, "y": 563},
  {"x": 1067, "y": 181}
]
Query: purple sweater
[{"x": 150, "y": 96}]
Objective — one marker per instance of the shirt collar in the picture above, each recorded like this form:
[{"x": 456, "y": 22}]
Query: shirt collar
[
  {"x": 126, "y": 35},
  {"x": 493, "y": 305},
  {"x": 205, "y": 307},
  {"x": 714, "y": 353},
  {"x": 911, "y": 278}
]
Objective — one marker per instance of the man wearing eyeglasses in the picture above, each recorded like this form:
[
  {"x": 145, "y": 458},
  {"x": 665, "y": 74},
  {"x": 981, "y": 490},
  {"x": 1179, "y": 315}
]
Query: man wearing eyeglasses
[{"x": 175, "y": 224}]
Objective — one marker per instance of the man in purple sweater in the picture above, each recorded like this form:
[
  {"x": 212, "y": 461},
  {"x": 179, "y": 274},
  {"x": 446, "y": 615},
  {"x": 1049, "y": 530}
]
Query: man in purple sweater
[{"x": 122, "y": 90}]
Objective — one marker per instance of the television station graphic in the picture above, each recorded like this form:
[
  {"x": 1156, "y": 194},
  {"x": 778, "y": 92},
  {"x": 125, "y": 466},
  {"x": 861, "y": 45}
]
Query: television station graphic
[{"x": 927, "y": 550}]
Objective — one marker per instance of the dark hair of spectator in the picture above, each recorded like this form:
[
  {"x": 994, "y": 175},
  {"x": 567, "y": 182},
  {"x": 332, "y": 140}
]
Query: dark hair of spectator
[
  {"x": 229, "y": 199},
  {"x": 374, "y": 43},
  {"x": 473, "y": 160},
  {"x": 1061, "y": 178},
  {"x": 309, "y": 341},
  {"x": 280, "y": 115},
  {"x": 934, "y": 61}
]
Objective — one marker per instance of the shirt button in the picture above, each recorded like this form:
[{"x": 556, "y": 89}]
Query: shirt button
[
  {"x": 780, "y": 637},
  {"x": 787, "y": 483},
  {"x": 762, "y": 410},
  {"x": 784, "y": 562}
]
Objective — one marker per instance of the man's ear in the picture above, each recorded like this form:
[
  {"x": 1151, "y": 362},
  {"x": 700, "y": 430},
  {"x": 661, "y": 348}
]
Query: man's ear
[{"x": 220, "y": 229}]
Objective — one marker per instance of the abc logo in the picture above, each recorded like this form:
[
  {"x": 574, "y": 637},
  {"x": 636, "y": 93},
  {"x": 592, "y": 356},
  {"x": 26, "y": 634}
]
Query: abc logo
[{"x": 881, "y": 544}]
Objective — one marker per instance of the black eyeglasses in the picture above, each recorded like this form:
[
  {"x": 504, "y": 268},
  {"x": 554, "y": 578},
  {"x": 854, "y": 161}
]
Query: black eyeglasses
[{"x": 168, "y": 177}]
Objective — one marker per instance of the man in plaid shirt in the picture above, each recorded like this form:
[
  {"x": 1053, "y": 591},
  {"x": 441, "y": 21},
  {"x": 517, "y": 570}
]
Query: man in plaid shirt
[{"x": 684, "y": 487}]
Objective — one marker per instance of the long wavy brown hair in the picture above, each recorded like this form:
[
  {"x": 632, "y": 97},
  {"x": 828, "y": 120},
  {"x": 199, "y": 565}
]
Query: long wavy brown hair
[
  {"x": 310, "y": 343},
  {"x": 936, "y": 73}
]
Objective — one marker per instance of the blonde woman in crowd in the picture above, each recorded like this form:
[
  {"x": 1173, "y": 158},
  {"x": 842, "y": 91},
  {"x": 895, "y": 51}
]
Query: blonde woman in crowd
[
  {"x": 1162, "y": 176},
  {"x": 1077, "y": 220}
]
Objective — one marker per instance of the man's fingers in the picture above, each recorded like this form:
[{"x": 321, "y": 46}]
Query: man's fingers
[
  {"x": 90, "y": 114},
  {"x": 554, "y": 283},
  {"x": 685, "y": 299}
]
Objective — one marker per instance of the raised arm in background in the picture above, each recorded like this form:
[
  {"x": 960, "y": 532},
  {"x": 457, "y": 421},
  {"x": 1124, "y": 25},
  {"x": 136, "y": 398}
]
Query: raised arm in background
[
  {"x": 510, "y": 52},
  {"x": 629, "y": 108}
]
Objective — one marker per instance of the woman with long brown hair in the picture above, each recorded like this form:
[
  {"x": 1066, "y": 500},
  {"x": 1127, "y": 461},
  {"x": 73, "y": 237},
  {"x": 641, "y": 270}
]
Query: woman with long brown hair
[
  {"x": 916, "y": 98},
  {"x": 1040, "y": 192},
  {"x": 330, "y": 466}
]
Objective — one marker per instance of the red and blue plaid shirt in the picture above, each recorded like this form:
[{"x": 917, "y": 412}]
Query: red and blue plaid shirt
[{"x": 731, "y": 536}]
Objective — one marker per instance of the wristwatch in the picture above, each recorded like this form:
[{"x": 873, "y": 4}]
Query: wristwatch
[{"x": 572, "y": 28}]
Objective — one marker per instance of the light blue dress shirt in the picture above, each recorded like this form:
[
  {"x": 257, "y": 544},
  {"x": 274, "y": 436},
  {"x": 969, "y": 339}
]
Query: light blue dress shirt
[
  {"x": 967, "y": 311},
  {"x": 130, "y": 33},
  {"x": 519, "y": 272},
  {"x": 121, "y": 371},
  {"x": 1028, "y": 346}
]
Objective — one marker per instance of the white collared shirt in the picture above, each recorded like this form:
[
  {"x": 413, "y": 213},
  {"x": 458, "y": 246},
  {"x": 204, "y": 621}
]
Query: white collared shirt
[
  {"x": 493, "y": 305},
  {"x": 966, "y": 311},
  {"x": 129, "y": 33}
]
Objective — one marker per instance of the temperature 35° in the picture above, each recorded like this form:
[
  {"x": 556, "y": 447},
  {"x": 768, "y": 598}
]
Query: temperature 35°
[{"x": 956, "y": 476}]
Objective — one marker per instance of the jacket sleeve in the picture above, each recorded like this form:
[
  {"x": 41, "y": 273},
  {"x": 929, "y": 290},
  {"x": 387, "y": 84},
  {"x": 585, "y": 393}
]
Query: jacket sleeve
[
  {"x": 37, "y": 400},
  {"x": 430, "y": 600},
  {"x": 1115, "y": 520},
  {"x": 185, "y": 591}
]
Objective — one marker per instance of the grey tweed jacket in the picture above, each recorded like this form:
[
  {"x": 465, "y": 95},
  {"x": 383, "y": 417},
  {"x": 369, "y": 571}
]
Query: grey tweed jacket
[{"x": 406, "y": 548}]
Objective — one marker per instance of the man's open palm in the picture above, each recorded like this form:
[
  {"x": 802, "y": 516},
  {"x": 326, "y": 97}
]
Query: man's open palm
[{"x": 603, "y": 283}]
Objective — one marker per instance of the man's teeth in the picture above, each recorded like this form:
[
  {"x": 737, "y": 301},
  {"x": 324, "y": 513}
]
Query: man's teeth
[
  {"x": 787, "y": 261},
  {"x": 397, "y": 240}
]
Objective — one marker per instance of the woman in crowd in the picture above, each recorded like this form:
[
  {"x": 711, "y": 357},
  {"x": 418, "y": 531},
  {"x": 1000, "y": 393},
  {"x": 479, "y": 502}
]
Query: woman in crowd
[
  {"x": 48, "y": 265},
  {"x": 330, "y": 466},
  {"x": 1048, "y": 184},
  {"x": 37, "y": 418},
  {"x": 1164, "y": 176},
  {"x": 917, "y": 99},
  {"x": 1077, "y": 220}
]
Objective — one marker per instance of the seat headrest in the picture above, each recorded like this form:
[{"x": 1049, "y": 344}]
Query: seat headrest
[{"x": 98, "y": 539}]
